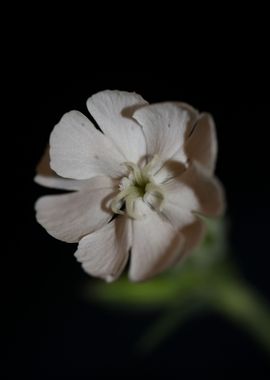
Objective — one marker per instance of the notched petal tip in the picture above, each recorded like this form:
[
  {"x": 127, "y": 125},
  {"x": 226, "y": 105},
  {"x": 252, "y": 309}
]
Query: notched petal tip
[{"x": 112, "y": 110}]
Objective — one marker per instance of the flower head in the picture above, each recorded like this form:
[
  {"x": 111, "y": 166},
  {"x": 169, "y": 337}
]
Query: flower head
[{"x": 138, "y": 186}]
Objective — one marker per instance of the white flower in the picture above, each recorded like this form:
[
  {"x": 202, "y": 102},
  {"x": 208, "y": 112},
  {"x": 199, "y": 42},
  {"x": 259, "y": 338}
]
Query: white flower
[{"x": 139, "y": 187}]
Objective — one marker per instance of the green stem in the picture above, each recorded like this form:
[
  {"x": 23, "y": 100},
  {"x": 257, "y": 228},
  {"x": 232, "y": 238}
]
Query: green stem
[
  {"x": 168, "y": 322},
  {"x": 241, "y": 303},
  {"x": 223, "y": 292}
]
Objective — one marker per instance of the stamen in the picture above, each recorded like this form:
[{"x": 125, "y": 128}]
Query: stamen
[
  {"x": 155, "y": 189},
  {"x": 138, "y": 175},
  {"x": 115, "y": 202},
  {"x": 139, "y": 184},
  {"x": 150, "y": 165},
  {"x": 130, "y": 203}
]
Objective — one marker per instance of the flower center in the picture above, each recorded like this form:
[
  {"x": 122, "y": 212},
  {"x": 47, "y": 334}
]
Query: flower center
[{"x": 139, "y": 184}]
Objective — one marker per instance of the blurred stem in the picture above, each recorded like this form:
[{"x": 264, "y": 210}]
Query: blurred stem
[
  {"x": 169, "y": 321},
  {"x": 241, "y": 303},
  {"x": 224, "y": 292}
]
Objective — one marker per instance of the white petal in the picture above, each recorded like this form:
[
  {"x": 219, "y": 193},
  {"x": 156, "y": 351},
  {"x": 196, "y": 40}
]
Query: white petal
[
  {"x": 164, "y": 126},
  {"x": 112, "y": 110},
  {"x": 171, "y": 169},
  {"x": 79, "y": 151},
  {"x": 104, "y": 253},
  {"x": 193, "y": 115},
  {"x": 180, "y": 202},
  {"x": 175, "y": 166},
  {"x": 202, "y": 144},
  {"x": 47, "y": 177},
  {"x": 194, "y": 234},
  {"x": 55, "y": 182},
  {"x": 155, "y": 246},
  {"x": 71, "y": 216},
  {"x": 206, "y": 188}
]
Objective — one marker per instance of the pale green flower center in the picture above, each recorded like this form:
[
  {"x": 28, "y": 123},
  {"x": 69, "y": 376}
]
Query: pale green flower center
[{"x": 139, "y": 184}]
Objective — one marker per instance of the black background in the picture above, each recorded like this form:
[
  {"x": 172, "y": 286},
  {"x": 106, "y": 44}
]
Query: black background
[{"x": 51, "y": 330}]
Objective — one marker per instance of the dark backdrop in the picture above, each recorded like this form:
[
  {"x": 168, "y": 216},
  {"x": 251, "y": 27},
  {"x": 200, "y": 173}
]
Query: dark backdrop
[{"x": 51, "y": 329}]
